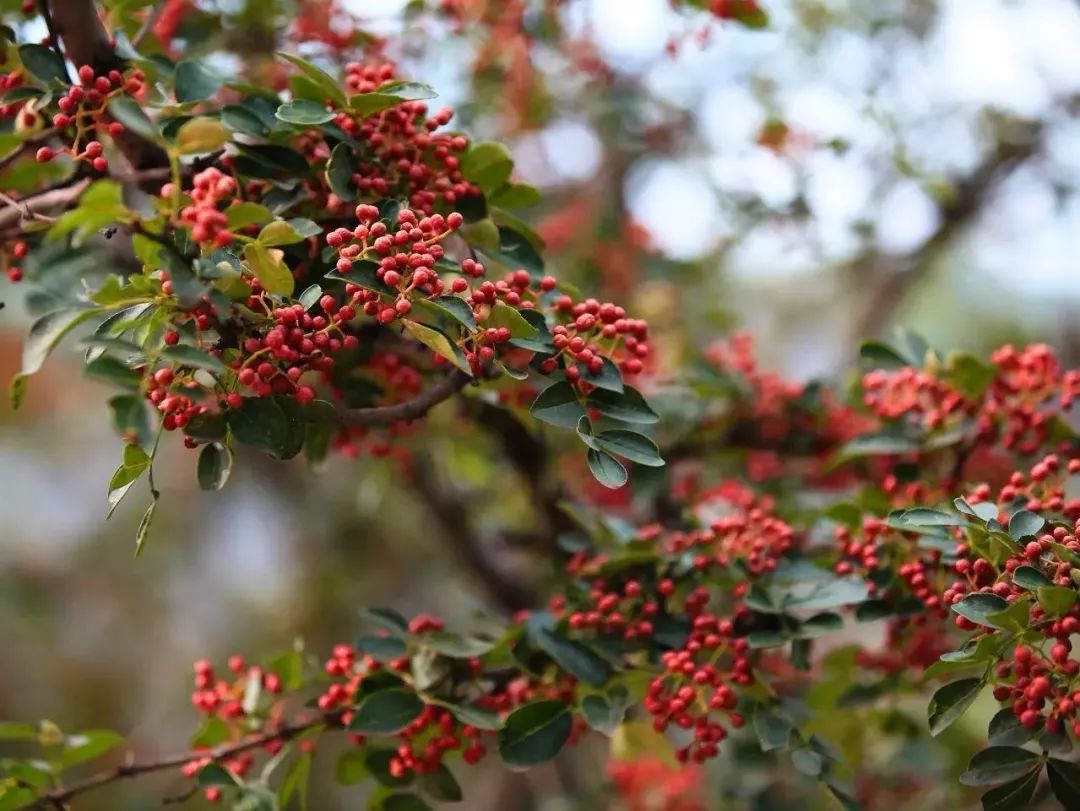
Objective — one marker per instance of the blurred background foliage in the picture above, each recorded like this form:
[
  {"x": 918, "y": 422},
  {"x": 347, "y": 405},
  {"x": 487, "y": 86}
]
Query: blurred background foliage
[{"x": 855, "y": 165}]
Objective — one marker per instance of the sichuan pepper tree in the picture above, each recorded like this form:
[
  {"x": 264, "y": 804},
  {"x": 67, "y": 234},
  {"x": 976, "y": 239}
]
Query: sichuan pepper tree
[{"x": 315, "y": 262}]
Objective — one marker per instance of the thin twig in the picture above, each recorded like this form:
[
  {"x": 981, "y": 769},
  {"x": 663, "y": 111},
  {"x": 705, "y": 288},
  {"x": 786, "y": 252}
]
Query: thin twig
[
  {"x": 38, "y": 140},
  {"x": 57, "y": 797}
]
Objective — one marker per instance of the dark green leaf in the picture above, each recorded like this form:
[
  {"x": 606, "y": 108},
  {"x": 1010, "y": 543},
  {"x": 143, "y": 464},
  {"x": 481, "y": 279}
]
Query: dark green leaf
[
  {"x": 125, "y": 110},
  {"x": 1056, "y": 600},
  {"x": 1025, "y": 524},
  {"x": 606, "y": 469},
  {"x": 215, "y": 464},
  {"x": 626, "y": 406},
  {"x": 602, "y": 714},
  {"x": 1028, "y": 577},
  {"x": 978, "y": 607},
  {"x": 1014, "y": 795},
  {"x": 213, "y": 774},
  {"x": 1064, "y": 782},
  {"x": 998, "y": 764},
  {"x": 534, "y": 733},
  {"x": 386, "y": 712},
  {"x": 262, "y": 423},
  {"x": 558, "y": 405},
  {"x": 474, "y": 716},
  {"x": 630, "y": 445},
  {"x": 487, "y": 164},
  {"x": 43, "y": 63},
  {"x": 573, "y": 656},
  {"x": 194, "y": 81},
  {"x": 455, "y": 645},
  {"x": 773, "y": 731},
  {"x": 403, "y": 802},
  {"x": 339, "y": 172},
  {"x": 951, "y": 701},
  {"x": 442, "y": 785}
]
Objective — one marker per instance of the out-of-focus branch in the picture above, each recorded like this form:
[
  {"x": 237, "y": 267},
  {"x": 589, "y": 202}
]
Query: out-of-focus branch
[
  {"x": 58, "y": 798},
  {"x": 449, "y": 509},
  {"x": 887, "y": 279}
]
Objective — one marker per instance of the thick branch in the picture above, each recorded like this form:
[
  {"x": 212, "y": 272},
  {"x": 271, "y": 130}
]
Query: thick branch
[
  {"x": 450, "y": 511},
  {"x": 887, "y": 279},
  {"x": 88, "y": 43},
  {"x": 411, "y": 409},
  {"x": 56, "y": 797},
  {"x": 62, "y": 197}
]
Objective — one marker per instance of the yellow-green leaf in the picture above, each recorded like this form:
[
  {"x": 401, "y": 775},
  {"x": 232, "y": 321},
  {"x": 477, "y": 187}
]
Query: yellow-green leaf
[
  {"x": 270, "y": 269},
  {"x": 201, "y": 135}
]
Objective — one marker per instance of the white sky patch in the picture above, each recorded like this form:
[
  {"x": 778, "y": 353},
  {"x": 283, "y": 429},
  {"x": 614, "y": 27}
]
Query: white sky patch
[
  {"x": 678, "y": 206},
  {"x": 906, "y": 217}
]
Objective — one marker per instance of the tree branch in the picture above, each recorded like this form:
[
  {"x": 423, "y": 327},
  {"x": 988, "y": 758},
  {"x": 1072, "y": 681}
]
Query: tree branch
[
  {"x": 450, "y": 511},
  {"x": 411, "y": 409},
  {"x": 887, "y": 279},
  {"x": 56, "y": 797}
]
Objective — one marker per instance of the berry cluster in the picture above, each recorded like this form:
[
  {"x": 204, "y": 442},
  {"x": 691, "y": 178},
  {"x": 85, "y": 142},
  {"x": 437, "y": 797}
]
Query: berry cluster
[{"x": 85, "y": 107}]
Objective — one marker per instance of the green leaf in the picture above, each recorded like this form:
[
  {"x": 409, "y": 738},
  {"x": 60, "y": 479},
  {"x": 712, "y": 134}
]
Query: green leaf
[
  {"x": 1056, "y": 600},
  {"x": 383, "y": 648},
  {"x": 403, "y": 802},
  {"x": 1064, "y": 781},
  {"x": 487, "y": 164},
  {"x": 773, "y": 731},
  {"x": 201, "y": 135},
  {"x": 516, "y": 250},
  {"x": 630, "y": 445},
  {"x": 267, "y": 265},
  {"x": 626, "y": 406},
  {"x": 978, "y": 607},
  {"x": 504, "y": 316},
  {"x": 1030, "y": 578},
  {"x": 602, "y": 714},
  {"x": 516, "y": 195},
  {"x": 606, "y": 469},
  {"x": 111, "y": 370},
  {"x": 439, "y": 343},
  {"x": 194, "y": 81},
  {"x": 573, "y": 656},
  {"x": 142, "y": 532},
  {"x": 14, "y": 731},
  {"x": 296, "y": 782},
  {"x": 442, "y": 785},
  {"x": 89, "y": 745},
  {"x": 389, "y": 95},
  {"x": 125, "y": 110},
  {"x": 1014, "y": 795},
  {"x": 323, "y": 80},
  {"x": 998, "y": 764},
  {"x": 214, "y": 774},
  {"x": 1013, "y": 618},
  {"x": 1025, "y": 524},
  {"x": 47, "y": 332},
  {"x": 875, "y": 445},
  {"x": 558, "y": 405},
  {"x": 807, "y": 761},
  {"x": 474, "y": 716},
  {"x": 882, "y": 356},
  {"x": 193, "y": 357},
  {"x": 340, "y": 170},
  {"x": 247, "y": 213},
  {"x": 458, "y": 309},
  {"x": 351, "y": 767},
  {"x": 455, "y": 645},
  {"x": 609, "y": 377},
  {"x": 279, "y": 232},
  {"x": 304, "y": 113},
  {"x": 43, "y": 63},
  {"x": 378, "y": 765},
  {"x": 387, "y": 619},
  {"x": 386, "y": 711},
  {"x": 925, "y": 517},
  {"x": 215, "y": 464},
  {"x": 534, "y": 733},
  {"x": 261, "y": 422},
  {"x": 951, "y": 701}
]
